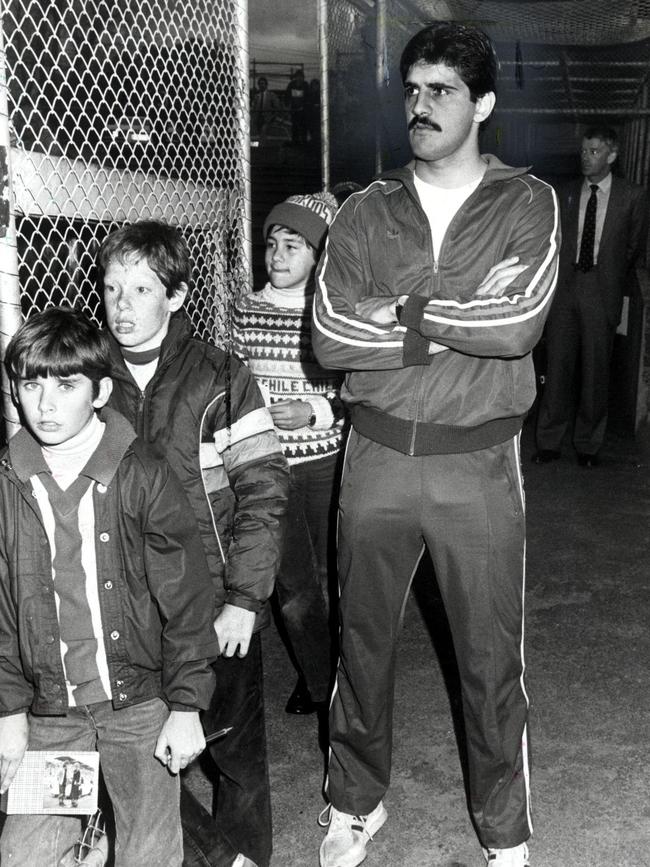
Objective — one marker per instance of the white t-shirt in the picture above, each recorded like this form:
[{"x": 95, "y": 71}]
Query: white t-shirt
[
  {"x": 142, "y": 373},
  {"x": 440, "y": 205}
]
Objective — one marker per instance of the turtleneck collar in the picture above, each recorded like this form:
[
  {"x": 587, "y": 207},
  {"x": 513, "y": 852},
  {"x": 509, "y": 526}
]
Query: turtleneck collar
[
  {"x": 145, "y": 356},
  {"x": 83, "y": 443},
  {"x": 295, "y": 298},
  {"x": 67, "y": 459}
]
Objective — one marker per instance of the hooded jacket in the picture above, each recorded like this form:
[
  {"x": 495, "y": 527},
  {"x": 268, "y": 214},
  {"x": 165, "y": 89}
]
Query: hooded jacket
[
  {"x": 152, "y": 582},
  {"x": 476, "y": 394},
  {"x": 203, "y": 412}
]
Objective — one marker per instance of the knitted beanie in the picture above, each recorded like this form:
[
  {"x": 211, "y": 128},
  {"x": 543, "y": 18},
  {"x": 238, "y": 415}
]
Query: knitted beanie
[{"x": 310, "y": 215}]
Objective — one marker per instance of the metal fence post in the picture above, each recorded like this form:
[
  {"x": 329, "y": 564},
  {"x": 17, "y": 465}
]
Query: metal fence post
[
  {"x": 324, "y": 94},
  {"x": 10, "y": 317}
]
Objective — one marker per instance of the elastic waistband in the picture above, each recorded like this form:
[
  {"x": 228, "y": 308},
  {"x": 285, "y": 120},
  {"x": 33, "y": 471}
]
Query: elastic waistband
[{"x": 426, "y": 438}]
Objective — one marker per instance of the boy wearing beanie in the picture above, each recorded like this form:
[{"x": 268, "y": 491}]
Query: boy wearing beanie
[{"x": 272, "y": 333}]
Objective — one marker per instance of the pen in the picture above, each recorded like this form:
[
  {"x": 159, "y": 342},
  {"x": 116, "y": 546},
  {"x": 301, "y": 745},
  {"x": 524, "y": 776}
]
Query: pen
[{"x": 218, "y": 734}]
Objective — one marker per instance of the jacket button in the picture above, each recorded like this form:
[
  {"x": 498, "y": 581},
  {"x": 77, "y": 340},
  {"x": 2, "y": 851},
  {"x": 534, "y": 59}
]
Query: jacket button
[
  {"x": 104, "y": 537},
  {"x": 115, "y": 635},
  {"x": 108, "y": 585},
  {"x": 50, "y": 639},
  {"x": 101, "y": 489},
  {"x": 123, "y": 696},
  {"x": 119, "y": 683}
]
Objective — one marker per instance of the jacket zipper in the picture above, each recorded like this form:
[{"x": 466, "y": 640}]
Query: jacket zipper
[
  {"x": 418, "y": 403},
  {"x": 140, "y": 425},
  {"x": 436, "y": 268},
  {"x": 418, "y": 385}
]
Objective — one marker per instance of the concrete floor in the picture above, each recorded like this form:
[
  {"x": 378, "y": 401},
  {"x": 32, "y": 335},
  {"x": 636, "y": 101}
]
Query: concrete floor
[{"x": 588, "y": 656}]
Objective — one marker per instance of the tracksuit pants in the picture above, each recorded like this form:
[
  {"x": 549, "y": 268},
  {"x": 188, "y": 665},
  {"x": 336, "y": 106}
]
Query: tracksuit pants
[{"x": 468, "y": 510}]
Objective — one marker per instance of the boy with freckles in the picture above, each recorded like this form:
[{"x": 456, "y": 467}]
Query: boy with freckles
[{"x": 201, "y": 409}]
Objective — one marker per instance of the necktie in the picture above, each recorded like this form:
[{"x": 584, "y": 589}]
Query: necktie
[{"x": 586, "y": 257}]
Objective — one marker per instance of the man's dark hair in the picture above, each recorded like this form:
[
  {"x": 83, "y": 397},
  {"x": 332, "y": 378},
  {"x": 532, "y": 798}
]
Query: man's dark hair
[
  {"x": 59, "y": 341},
  {"x": 467, "y": 50},
  {"x": 160, "y": 245},
  {"x": 604, "y": 133}
]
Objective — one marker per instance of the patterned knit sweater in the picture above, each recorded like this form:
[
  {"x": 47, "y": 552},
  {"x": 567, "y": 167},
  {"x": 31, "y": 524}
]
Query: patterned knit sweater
[{"x": 272, "y": 334}]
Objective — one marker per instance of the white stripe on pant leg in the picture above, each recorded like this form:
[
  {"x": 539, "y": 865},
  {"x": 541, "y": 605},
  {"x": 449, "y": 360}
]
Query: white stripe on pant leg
[
  {"x": 524, "y": 738},
  {"x": 338, "y": 587}
]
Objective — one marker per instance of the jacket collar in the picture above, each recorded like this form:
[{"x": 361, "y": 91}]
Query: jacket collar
[
  {"x": 27, "y": 459},
  {"x": 178, "y": 333},
  {"x": 496, "y": 171}
]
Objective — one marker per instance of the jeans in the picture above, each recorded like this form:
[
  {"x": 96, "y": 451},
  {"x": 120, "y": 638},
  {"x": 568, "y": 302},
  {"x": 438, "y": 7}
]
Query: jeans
[
  {"x": 302, "y": 583},
  {"x": 204, "y": 844},
  {"x": 144, "y": 795},
  {"x": 242, "y": 812}
]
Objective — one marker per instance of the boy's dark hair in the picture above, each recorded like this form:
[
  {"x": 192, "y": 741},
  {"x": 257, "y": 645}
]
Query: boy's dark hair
[
  {"x": 604, "y": 133},
  {"x": 59, "y": 341},
  {"x": 468, "y": 50},
  {"x": 160, "y": 245}
]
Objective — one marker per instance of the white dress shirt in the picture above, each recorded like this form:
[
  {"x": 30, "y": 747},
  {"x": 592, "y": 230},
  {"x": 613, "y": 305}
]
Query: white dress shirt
[{"x": 604, "y": 189}]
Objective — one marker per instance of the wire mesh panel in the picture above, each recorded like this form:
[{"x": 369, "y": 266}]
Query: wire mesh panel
[
  {"x": 351, "y": 46},
  {"x": 123, "y": 110}
]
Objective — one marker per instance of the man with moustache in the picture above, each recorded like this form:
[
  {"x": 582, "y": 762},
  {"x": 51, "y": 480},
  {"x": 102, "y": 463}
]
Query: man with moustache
[
  {"x": 432, "y": 292},
  {"x": 605, "y": 228}
]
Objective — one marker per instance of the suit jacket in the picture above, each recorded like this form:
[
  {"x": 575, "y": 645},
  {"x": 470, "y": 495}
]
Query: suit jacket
[{"x": 622, "y": 244}]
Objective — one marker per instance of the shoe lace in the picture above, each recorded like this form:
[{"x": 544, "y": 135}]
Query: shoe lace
[
  {"x": 336, "y": 819},
  {"x": 325, "y": 812}
]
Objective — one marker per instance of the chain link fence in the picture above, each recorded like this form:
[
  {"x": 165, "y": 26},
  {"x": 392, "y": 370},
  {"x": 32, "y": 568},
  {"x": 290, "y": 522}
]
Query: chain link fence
[{"x": 121, "y": 110}]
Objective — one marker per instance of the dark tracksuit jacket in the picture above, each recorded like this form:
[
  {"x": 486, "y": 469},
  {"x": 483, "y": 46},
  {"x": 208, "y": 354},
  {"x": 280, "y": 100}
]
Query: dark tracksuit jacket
[{"x": 433, "y": 460}]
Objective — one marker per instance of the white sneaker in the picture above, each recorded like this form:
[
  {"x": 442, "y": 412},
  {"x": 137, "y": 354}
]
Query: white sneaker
[
  {"x": 348, "y": 836},
  {"x": 243, "y": 861},
  {"x": 517, "y": 856}
]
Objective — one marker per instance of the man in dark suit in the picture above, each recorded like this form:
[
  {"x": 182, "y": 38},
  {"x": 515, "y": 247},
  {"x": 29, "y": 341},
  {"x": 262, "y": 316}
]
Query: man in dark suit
[{"x": 604, "y": 235}]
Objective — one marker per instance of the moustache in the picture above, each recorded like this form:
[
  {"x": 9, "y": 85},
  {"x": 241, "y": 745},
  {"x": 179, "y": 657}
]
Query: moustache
[{"x": 424, "y": 121}]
